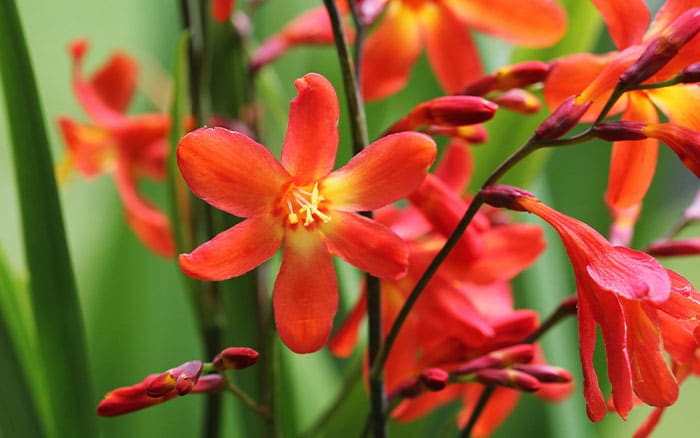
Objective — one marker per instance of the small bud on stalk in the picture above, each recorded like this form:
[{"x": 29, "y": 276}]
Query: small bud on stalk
[
  {"x": 235, "y": 358},
  {"x": 565, "y": 117},
  {"x": 508, "y": 378}
]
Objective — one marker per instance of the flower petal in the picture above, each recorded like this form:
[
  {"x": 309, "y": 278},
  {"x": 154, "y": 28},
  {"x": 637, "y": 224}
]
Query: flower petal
[
  {"x": 679, "y": 103},
  {"x": 150, "y": 225},
  {"x": 115, "y": 81},
  {"x": 306, "y": 293},
  {"x": 390, "y": 52},
  {"x": 230, "y": 171},
  {"x": 499, "y": 406},
  {"x": 366, "y": 244},
  {"x": 343, "y": 341},
  {"x": 627, "y": 20},
  {"x": 445, "y": 38},
  {"x": 653, "y": 381},
  {"x": 455, "y": 167},
  {"x": 235, "y": 251},
  {"x": 91, "y": 148},
  {"x": 312, "y": 134},
  {"x": 385, "y": 171},
  {"x": 595, "y": 403},
  {"x": 539, "y": 24}
]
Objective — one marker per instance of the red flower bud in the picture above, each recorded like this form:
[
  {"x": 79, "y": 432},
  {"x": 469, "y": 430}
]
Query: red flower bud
[
  {"x": 208, "y": 383},
  {"x": 545, "y": 373},
  {"x": 453, "y": 111},
  {"x": 503, "y": 196},
  {"x": 620, "y": 130},
  {"x": 78, "y": 48},
  {"x": 181, "y": 379},
  {"x": 434, "y": 379},
  {"x": 565, "y": 117},
  {"x": 471, "y": 133},
  {"x": 508, "y": 378},
  {"x": 508, "y": 77},
  {"x": 675, "y": 247},
  {"x": 664, "y": 48},
  {"x": 690, "y": 74},
  {"x": 518, "y": 100},
  {"x": 235, "y": 358},
  {"x": 521, "y": 353}
]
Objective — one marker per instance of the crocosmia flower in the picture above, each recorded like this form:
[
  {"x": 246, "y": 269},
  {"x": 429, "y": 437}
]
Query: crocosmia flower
[
  {"x": 130, "y": 147},
  {"x": 302, "y": 202},
  {"x": 443, "y": 28},
  {"x": 620, "y": 290}
]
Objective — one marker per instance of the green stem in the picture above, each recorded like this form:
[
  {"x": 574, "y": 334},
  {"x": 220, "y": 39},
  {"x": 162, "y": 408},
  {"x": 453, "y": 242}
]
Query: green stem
[
  {"x": 246, "y": 398},
  {"x": 478, "y": 409}
]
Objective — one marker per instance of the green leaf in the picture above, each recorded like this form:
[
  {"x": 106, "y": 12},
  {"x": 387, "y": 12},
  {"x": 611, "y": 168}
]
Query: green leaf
[{"x": 53, "y": 291}]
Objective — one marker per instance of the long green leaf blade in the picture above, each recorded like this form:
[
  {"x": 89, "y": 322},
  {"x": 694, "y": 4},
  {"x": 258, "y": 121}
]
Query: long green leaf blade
[{"x": 53, "y": 290}]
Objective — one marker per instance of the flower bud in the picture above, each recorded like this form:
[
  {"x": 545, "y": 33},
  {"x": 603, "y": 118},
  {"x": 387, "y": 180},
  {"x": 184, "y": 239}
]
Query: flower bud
[
  {"x": 565, "y": 117},
  {"x": 78, "y": 48},
  {"x": 690, "y": 74},
  {"x": 208, "y": 383},
  {"x": 505, "y": 357},
  {"x": 503, "y": 196},
  {"x": 235, "y": 358},
  {"x": 508, "y": 77},
  {"x": 508, "y": 378},
  {"x": 680, "y": 247},
  {"x": 664, "y": 48},
  {"x": 518, "y": 100},
  {"x": 471, "y": 133},
  {"x": 683, "y": 141},
  {"x": 545, "y": 373},
  {"x": 620, "y": 131},
  {"x": 434, "y": 379},
  {"x": 188, "y": 375},
  {"x": 453, "y": 111}
]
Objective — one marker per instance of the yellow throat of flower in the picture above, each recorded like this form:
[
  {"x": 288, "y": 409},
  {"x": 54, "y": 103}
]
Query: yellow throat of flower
[{"x": 305, "y": 204}]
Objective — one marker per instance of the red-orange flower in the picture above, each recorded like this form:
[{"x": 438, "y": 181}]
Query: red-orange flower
[
  {"x": 221, "y": 9},
  {"x": 130, "y": 147},
  {"x": 442, "y": 27},
  {"x": 302, "y": 202},
  {"x": 593, "y": 77},
  {"x": 622, "y": 291}
]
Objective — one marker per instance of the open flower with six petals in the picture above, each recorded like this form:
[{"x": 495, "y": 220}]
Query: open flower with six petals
[{"x": 300, "y": 201}]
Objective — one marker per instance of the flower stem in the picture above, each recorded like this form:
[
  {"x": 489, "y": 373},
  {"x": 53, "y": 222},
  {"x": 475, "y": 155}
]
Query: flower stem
[
  {"x": 478, "y": 409},
  {"x": 246, "y": 398}
]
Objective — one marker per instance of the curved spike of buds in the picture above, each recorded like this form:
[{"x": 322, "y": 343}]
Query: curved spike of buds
[
  {"x": 446, "y": 111},
  {"x": 519, "y": 101},
  {"x": 235, "y": 358},
  {"x": 681, "y": 247},
  {"x": 664, "y": 48},
  {"x": 434, "y": 379},
  {"x": 545, "y": 373},
  {"x": 565, "y": 117},
  {"x": 521, "y": 353},
  {"x": 508, "y": 378},
  {"x": 503, "y": 196}
]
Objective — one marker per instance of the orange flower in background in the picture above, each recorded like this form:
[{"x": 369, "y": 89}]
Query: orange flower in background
[
  {"x": 300, "y": 201},
  {"x": 443, "y": 28},
  {"x": 632, "y": 164},
  {"x": 626, "y": 293},
  {"x": 221, "y": 9},
  {"x": 130, "y": 147}
]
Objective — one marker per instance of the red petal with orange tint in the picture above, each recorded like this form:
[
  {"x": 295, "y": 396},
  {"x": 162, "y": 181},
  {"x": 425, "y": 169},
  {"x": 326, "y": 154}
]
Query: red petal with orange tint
[
  {"x": 221, "y": 9},
  {"x": 343, "y": 341},
  {"x": 90, "y": 147},
  {"x": 539, "y": 24},
  {"x": 312, "y": 133},
  {"x": 150, "y": 225},
  {"x": 385, "y": 171},
  {"x": 633, "y": 163},
  {"x": 235, "y": 251},
  {"x": 652, "y": 379},
  {"x": 115, "y": 82},
  {"x": 667, "y": 14},
  {"x": 627, "y": 20},
  {"x": 306, "y": 293},
  {"x": 595, "y": 403},
  {"x": 455, "y": 167},
  {"x": 230, "y": 171},
  {"x": 451, "y": 50},
  {"x": 499, "y": 406},
  {"x": 366, "y": 244},
  {"x": 390, "y": 52}
]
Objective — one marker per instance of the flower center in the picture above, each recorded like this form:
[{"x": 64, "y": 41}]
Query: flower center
[{"x": 303, "y": 204}]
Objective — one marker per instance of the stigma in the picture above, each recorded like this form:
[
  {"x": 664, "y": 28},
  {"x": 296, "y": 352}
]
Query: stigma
[{"x": 303, "y": 204}]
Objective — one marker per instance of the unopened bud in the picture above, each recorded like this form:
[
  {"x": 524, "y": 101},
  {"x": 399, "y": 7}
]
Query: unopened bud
[
  {"x": 505, "y": 357},
  {"x": 161, "y": 385},
  {"x": 471, "y": 133},
  {"x": 565, "y": 117},
  {"x": 208, "y": 383},
  {"x": 682, "y": 247},
  {"x": 690, "y": 74},
  {"x": 620, "y": 131},
  {"x": 664, "y": 48},
  {"x": 453, "y": 111},
  {"x": 78, "y": 48},
  {"x": 545, "y": 373},
  {"x": 188, "y": 375},
  {"x": 235, "y": 358},
  {"x": 434, "y": 379},
  {"x": 508, "y": 378},
  {"x": 683, "y": 141},
  {"x": 503, "y": 196},
  {"x": 518, "y": 100},
  {"x": 508, "y": 77}
]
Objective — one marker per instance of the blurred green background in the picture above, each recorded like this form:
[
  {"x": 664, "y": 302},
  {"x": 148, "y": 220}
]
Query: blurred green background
[{"x": 135, "y": 310}]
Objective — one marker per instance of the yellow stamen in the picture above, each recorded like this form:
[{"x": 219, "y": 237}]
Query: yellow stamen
[{"x": 308, "y": 203}]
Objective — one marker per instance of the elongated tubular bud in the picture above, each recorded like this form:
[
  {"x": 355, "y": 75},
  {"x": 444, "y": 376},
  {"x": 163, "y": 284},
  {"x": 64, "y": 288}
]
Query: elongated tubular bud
[
  {"x": 565, "y": 117},
  {"x": 434, "y": 379},
  {"x": 681, "y": 247},
  {"x": 521, "y": 353},
  {"x": 504, "y": 196},
  {"x": 508, "y": 77},
  {"x": 518, "y": 100},
  {"x": 471, "y": 133},
  {"x": 509, "y": 378},
  {"x": 450, "y": 111},
  {"x": 545, "y": 373},
  {"x": 620, "y": 131},
  {"x": 664, "y": 48},
  {"x": 235, "y": 358}
]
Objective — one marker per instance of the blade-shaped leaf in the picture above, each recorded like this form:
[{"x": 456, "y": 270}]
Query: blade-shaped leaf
[{"x": 53, "y": 290}]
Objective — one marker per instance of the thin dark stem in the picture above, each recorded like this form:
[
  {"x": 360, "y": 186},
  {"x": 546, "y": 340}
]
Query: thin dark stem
[
  {"x": 358, "y": 122},
  {"x": 478, "y": 409},
  {"x": 246, "y": 398},
  {"x": 566, "y": 308},
  {"x": 359, "y": 37}
]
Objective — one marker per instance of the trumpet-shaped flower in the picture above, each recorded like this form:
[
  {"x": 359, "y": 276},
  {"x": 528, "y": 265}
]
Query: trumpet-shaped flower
[
  {"x": 130, "y": 147},
  {"x": 593, "y": 77},
  {"x": 300, "y": 201},
  {"x": 443, "y": 28},
  {"x": 624, "y": 292}
]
